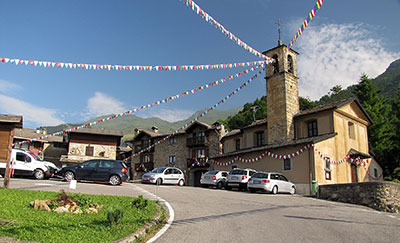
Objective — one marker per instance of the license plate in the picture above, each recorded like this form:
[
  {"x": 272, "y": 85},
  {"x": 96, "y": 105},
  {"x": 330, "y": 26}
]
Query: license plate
[
  {"x": 257, "y": 182},
  {"x": 234, "y": 178}
]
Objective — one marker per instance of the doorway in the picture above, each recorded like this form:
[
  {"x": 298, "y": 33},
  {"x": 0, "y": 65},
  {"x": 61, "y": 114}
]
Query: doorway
[{"x": 353, "y": 168}]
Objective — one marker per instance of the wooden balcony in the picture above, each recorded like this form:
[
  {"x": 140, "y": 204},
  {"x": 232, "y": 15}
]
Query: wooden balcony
[{"x": 197, "y": 141}]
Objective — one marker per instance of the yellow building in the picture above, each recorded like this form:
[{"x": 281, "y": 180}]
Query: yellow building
[{"x": 327, "y": 144}]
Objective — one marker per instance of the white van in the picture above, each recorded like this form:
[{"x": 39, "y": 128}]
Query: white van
[{"x": 26, "y": 163}]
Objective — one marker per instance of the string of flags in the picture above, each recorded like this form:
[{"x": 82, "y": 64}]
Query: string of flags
[
  {"x": 108, "y": 67},
  {"x": 310, "y": 16},
  {"x": 196, "y": 8},
  {"x": 171, "y": 98},
  {"x": 358, "y": 161},
  {"x": 199, "y": 116}
]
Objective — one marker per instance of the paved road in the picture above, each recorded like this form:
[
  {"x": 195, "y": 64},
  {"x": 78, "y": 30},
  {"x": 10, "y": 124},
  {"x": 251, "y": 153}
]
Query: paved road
[{"x": 210, "y": 215}]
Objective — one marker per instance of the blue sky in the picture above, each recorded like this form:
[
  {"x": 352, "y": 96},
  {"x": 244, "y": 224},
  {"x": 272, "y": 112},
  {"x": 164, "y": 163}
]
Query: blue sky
[{"x": 345, "y": 39}]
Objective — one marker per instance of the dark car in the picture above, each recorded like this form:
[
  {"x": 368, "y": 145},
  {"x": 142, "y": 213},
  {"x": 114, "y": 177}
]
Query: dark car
[{"x": 99, "y": 170}]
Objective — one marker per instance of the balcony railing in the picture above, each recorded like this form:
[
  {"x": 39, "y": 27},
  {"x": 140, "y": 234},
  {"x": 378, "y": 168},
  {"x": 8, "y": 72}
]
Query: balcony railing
[
  {"x": 197, "y": 141},
  {"x": 198, "y": 163}
]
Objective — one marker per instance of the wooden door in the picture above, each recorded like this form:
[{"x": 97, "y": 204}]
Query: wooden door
[{"x": 353, "y": 173}]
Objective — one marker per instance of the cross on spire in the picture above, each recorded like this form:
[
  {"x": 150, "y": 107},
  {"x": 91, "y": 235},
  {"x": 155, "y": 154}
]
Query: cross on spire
[{"x": 279, "y": 31}]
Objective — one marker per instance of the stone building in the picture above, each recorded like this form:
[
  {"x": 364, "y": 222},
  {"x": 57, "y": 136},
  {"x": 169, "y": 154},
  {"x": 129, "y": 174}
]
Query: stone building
[
  {"x": 92, "y": 143},
  {"x": 188, "y": 150},
  {"x": 312, "y": 145}
]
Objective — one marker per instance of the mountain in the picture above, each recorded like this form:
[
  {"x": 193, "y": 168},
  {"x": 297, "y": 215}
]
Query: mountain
[
  {"x": 129, "y": 122},
  {"x": 389, "y": 81}
]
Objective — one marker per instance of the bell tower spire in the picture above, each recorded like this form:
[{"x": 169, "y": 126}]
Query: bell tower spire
[{"x": 279, "y": 32}]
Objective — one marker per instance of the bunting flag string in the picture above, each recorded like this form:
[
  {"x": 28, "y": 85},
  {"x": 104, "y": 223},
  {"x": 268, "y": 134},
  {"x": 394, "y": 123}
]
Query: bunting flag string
[
  {"x": 306, "y": 22},
  {"x": 108, "y": 67},
  {"x": 358, "y": 161},
  {"x": 196, "y": 8},
  {"x": 199, "y": 116},
  {"x": 171, "y": 98}
]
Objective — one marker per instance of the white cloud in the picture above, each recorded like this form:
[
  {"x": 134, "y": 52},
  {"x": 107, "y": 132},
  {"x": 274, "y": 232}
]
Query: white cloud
[
  {"x": 337, "y": 55},
  {"x": 7, "y": 87},
  {"x": 102, "y": 104},
  {"x": 167, "y": 115},
  {"x": 33, "y": 115}
]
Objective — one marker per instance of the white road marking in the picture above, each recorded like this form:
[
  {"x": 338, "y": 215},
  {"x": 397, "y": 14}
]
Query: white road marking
[{"x": 170, "y": 212}]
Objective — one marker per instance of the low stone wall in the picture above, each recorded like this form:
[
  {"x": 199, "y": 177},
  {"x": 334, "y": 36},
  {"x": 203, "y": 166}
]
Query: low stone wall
[{"x": 383, "y": 196}]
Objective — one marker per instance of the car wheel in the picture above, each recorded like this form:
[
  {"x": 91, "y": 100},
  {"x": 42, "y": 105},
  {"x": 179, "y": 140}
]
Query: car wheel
[
  {"x": 181, "y": 183},
  {"x": 219, "y": 185},
  {"x": 292, "y": 190},
  {"x": 38, "y": 174},
  {"x": 69, "y": 176},
  {"x": 274, "y": 190},
  {"x": 159, "y": 181},
  {"x": 115, "y": 180}
]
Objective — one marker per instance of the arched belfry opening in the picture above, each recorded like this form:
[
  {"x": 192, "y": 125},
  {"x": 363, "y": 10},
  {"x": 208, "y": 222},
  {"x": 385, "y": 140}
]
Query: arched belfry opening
[
  {"x": 290, "y": 64},
  {"x": 275, "y": 64}
]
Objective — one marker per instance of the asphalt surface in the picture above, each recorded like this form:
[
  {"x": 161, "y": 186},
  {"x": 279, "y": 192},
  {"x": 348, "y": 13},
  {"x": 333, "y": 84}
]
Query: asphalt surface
[{"x": 211, "y": 215}]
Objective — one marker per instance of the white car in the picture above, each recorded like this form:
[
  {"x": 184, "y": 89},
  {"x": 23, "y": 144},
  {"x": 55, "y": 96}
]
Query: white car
[
  {"x": 239, "y": 178},
  {"x": 271, "y": 182},
  {"x": 164, "y": 175},
  {"x": 26, "y": 163},
  {"x": 214, "y": 178}
]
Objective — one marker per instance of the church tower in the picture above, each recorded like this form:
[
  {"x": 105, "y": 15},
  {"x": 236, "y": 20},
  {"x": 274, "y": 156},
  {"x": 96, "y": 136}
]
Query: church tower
[{"x": 282, "y": 93}]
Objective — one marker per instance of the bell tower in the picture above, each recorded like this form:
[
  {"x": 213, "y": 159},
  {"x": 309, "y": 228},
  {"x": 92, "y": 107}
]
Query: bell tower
[{"x": 282, "y": 93}]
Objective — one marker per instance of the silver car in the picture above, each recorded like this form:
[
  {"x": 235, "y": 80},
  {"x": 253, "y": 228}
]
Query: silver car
[
  {"x": 239, "y": 178},
  {"x": 214, "y": 178},
  {"x": 164, "y": 175},
  {"x": 270, "y": 182}
]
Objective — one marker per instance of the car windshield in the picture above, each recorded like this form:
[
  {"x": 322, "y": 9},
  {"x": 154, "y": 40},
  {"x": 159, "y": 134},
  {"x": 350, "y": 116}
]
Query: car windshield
[
  {"x": 260, "y": 175},
  {"x": 34, "y": 156},
  {"x": 159, "y": 170},
  {"x": 213, "y": 172},
  {"x": 238, "y": 172}
]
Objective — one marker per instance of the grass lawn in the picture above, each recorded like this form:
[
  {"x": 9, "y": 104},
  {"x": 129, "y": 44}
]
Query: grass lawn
[{"x": 34, "y": 225}]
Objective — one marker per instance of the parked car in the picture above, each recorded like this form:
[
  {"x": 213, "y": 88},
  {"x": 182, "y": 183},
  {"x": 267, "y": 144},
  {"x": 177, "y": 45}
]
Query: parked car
[
  {"x": 99, "y": 170},
  {"x": 164, "y": 175},
  {"x": 270, "y": 182},
  {"x": 239, "y": 178},
  {"x": 214, "y": 178},
  {"x": 27, "y": 163}
]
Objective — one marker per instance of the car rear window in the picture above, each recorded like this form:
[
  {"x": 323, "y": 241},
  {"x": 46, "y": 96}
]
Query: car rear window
[
  {"x": 212, "y": 172},
  {"x": 238, "y": 172},
  {"x": 260, "y": 175}
]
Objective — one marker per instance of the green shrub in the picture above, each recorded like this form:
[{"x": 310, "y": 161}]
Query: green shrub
[
  {"x": 114, "y": 216},
  {"x": 140, "y": 202}
]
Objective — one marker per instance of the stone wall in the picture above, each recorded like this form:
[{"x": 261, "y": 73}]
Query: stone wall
[{"x": 382, "y": 196}]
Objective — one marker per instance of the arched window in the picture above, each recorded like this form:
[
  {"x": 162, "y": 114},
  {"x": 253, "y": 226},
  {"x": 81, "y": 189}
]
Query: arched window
[
  {"x": 276, "y": 64},
  {"x": 290, "y": 64}
]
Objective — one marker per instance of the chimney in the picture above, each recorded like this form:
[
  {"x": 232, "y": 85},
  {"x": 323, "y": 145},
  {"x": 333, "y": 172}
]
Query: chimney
[{"x": 155, "y": 129}]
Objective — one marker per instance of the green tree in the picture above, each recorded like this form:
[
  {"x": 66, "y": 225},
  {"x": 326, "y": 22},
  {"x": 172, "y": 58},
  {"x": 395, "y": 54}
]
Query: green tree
[
  {"x": 394, "y": 162},
  {"x": 381, "y": 133}
]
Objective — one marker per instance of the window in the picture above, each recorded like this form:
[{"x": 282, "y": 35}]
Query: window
[
  {"x": 375, "y": 172},
  {"x": 290, "y": 64},
  {"x": 146, "y": 143},
  {"x": 200, "y": 134},
  {"x": 274, "y": 177},
  {"x": 106, "y": 164},
  {"x": 146, "y": 158},
  {"x": 172, "y": 140},
  {"x": 171, "y": 160},
  {"x": 275, "y": 64},
  {"x": 312, "y": 128},
  {"x": 90, "y": 164},
  {"x": 200, "y": 153},
  {"x": 176, "y": 171},
  {"x": 20, "y": 156},
  {"x": 351, "y": 130},
  {"x": 283, "y": 178},
  {"x": 260, "y": 138},
  {"x": 89, "y": 150},
  {"x": 287, "y": 164},
  {"x": 237, "y": 144},
  {"x": 327, "y": 168}
]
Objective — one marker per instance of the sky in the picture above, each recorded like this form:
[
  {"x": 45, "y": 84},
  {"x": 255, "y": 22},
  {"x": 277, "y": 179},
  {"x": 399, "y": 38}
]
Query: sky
[{"x": 344, "y": 40}]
